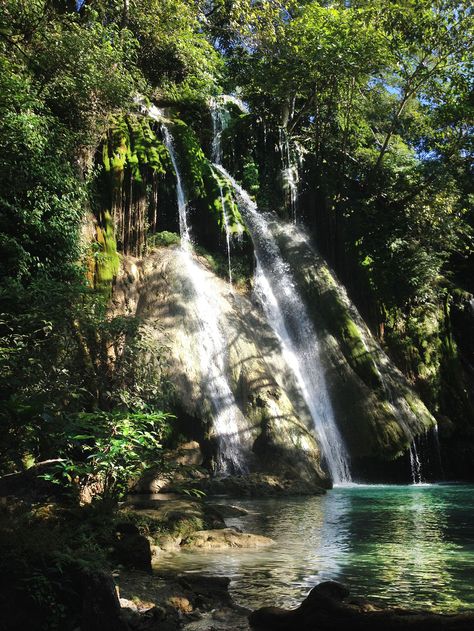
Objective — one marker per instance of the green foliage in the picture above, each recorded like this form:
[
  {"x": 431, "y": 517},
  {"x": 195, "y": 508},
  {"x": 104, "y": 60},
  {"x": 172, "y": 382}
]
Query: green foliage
[
  {"x": 55, "y": 362},
  {"x": 163, "y": 239},
  {"x": 109, "y": 449},
  {"x": 54, "y": 549},
  {"x": 174, "y": 53}
]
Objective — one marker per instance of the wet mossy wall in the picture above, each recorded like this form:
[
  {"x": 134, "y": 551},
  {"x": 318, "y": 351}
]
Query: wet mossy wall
[
  {"x": 135, "y": 184},
  {"x": 136, "y": 196},
  {"x": 377, "y": 412}
]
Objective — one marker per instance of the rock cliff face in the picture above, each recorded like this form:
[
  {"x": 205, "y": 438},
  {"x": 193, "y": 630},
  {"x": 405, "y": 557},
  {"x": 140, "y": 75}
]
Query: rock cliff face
[
  {"x": 377, "y": 411},
  {"x": 276, "y": 431}
]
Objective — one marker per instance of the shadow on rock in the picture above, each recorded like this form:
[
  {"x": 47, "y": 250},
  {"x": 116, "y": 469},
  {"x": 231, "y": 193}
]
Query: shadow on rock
[{"x": 328, "y": 608}]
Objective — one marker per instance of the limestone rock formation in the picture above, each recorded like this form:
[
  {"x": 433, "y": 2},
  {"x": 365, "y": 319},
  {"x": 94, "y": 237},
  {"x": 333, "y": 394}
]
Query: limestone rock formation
[
  {"x": 276, "y": 430},
  {"x": 378, "y": 413}
]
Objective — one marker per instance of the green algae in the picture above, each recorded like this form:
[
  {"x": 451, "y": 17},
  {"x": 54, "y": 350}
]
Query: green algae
[
  {"x": 202, "y": 182},
  {"x": 107, "y": 259}
]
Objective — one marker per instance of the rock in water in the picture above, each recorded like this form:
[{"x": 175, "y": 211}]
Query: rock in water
[
  {"x": 327, "y": 608},
  {"x": 225, "y": 538}
]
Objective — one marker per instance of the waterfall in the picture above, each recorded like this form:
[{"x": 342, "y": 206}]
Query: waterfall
[
  {"x": 220, "y": 120},
  {"x": 415, "y": 463},
  {"x": 425, "y": 457},
  {"x": 228, "y": 420},
  {"x": 292, "y": 163},
  {"x": 287, "y": 315}
]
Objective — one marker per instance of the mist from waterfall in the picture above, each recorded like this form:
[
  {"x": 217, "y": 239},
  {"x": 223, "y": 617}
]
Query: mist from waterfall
[{"x": 228, "y": 421}]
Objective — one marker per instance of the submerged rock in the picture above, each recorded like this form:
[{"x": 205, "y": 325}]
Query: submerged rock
[
  {"x": 225, "y": 538},
  {"x": 228, "y": 510},
  {"x": 327, "y": 608}
]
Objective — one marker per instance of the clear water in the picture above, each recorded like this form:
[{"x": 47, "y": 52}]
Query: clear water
[{"x": 410, "y": 546}]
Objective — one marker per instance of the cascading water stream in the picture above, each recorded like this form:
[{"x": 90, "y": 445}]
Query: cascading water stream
[
  {"x": 286, "y": 314},
  {"x": 220, "y": 120},
  {"x": 415, "y": 464},
  {"x": 228, "y": 420}
]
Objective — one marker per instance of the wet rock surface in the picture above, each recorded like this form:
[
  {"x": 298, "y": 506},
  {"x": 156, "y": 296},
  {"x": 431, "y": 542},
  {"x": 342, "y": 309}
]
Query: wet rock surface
[
  {"x": 175, "y": 524},
  {"x": 179, "y": 601},
  {"x": 224, "y": 538},
  {"x": 258, "y": 485},
  {"x": 329, "y": 608},
  {"x": 275, "y": 429}
]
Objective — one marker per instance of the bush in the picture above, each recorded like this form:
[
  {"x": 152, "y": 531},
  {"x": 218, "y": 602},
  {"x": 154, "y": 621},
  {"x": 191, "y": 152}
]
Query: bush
[{"x": 109, "y": 449}]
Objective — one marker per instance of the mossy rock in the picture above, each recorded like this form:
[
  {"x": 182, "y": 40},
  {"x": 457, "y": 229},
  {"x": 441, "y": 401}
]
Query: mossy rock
[
  {"x": 378, "y": 413},
  {"x": 106, "y": 257},
  {"x": 202, "y": 182}
]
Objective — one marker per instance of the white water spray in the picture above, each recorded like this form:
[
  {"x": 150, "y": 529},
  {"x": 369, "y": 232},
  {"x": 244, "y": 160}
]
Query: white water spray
[
  {"x": 415, "y": 464},
  {"x": 287, "y": 315},
  {"x": 228, "y": 420}
]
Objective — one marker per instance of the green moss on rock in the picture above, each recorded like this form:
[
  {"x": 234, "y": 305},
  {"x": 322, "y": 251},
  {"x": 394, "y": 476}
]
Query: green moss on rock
[
  {"x": 202, "y": 182},
  {"x": 107, "y": 258},
  {"x": 132, "y": 143}
]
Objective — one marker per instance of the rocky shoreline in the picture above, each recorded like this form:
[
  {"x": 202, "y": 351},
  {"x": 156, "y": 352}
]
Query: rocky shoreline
[
  {"x": 172, "y": 602},
  {"x": 127, "y": 590}
]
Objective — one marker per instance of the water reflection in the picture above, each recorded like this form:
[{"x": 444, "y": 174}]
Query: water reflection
[{"x": 410, "y": 546}]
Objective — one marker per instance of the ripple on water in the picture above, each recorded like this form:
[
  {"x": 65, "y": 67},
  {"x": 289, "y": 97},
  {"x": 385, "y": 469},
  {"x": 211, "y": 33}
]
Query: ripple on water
[{"x": 411, "y": 546}]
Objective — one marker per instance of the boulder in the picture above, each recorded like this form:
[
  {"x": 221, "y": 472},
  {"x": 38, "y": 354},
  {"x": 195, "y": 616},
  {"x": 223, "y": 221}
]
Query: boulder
[
  {"x": 131, "y": 549},
  {"x": 228, "y": 510},
  {"x": 168, "y": 522},
  {"x": 327, "y": 608},
  {"x": 183, "y": 465},
  {"x": 100, "y": 604},
  {"x": 30, "y": 485},
  {"x": 224, "y": 538}
]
